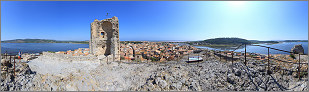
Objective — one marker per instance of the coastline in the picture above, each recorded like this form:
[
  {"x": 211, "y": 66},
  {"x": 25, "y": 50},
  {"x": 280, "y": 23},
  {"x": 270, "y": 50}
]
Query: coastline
[
  {"x": 50, "y": 42},
  {"x": 218, "y": 45},
  {"x": 287, "y": 46}
]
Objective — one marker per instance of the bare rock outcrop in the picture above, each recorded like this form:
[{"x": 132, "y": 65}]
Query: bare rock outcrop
[
  {"x": 209, "y": 75},
  {"x": 20, "y": 81}
]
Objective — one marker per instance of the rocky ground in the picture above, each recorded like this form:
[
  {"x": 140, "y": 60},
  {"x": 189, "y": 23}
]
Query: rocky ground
[
  {"x": 214, "y": 75},
  {"x": 51, "y": 74}
]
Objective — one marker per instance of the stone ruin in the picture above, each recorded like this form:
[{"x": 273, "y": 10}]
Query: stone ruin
[{"x": 104, "y": 38}]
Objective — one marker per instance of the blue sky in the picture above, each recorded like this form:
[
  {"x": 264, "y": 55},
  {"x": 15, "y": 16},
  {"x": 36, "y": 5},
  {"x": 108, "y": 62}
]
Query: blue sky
[{"x": 157, "y": 20}]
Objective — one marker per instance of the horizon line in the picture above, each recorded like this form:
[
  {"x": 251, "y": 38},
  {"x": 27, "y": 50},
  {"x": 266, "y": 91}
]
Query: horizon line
[{"x": 152, "y": 40}]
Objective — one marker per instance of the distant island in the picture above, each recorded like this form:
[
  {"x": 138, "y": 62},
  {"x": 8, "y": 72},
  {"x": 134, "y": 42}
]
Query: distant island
[
  {"x": 228, "y": 42},
  {"x": 42, "y": 41}
]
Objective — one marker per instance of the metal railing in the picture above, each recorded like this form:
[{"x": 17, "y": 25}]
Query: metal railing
[
  {"x": 10, "y": 58},
  {"x": 299, "y": 64},
  {"x": 268, "y": 57}
]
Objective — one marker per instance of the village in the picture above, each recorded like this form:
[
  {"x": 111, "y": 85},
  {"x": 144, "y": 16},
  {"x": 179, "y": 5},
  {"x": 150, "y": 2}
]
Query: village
[
  {"x": 159, "y": 51},
  {"x": 162, "y": 66},
  {"x": 153, "y": 51}
]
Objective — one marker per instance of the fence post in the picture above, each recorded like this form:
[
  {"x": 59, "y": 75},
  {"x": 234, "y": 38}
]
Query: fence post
[
  {"x": 198, "y": 56},
  {"x": 220, "y": 55},
  {"x": 214, "y": 54},
  {"x": 20, "y": 59},
  {"x": 178, "y": 58},
  {"x": 268, "y": 67},
  {"x": 7, "y": 68},
  {"x": 5, "y": 54},
  {"x": 188, "y": 57},
  {"x": 14, "y": 66},
  {"x": 232, "y": 58},
  {"x": 226, "y": 57},
  {"x": 299, "y": 66},
  {"x": 206, "y": 54},
  {"x": 245, "y": 54},
  {"x": 10, "y": 59}
]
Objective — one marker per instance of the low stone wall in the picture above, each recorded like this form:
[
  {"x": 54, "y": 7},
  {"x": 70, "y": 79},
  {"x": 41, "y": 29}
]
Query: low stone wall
[{"x": 69, "y": 57}]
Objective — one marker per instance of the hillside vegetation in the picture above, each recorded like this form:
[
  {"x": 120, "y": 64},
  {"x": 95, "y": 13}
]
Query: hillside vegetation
[
  {"x": 227, "y": 42},
  {"x": 256, "y": 41},
  {"x": 295, "y": 41}
]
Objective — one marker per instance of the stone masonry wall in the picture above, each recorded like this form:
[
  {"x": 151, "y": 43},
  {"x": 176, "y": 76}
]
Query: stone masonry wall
[
  {"x": 68, "y": 57},
  {"x": 105, "y": 37}
]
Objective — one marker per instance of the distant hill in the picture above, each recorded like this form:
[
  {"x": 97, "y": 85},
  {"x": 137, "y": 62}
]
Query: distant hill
[
  {"x": 227, "y": 41},
  {"x": 41, "y": 41},
  {"x": 256, "y": 41},
  {"x": 295, "y": 41}
]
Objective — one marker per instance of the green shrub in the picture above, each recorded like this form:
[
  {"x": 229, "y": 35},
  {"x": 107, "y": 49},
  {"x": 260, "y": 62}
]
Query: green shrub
[
  {"x": 303, "y": 74},
  {"x": 154, "y": 59},
  {"x": 292, "y": 56},
  {"x": 122, "y": 58},
  {"x": 50, "y": 51}
]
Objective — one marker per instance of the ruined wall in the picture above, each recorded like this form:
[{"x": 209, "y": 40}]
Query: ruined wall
[
  {"x": 104, "y": 39},
  {"x": 68, "y": 57}
]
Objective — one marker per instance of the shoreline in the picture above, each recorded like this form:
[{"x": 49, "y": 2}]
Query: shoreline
[
  {"x": 63, "y": 42},
  {"x": 231, "y": 47}
]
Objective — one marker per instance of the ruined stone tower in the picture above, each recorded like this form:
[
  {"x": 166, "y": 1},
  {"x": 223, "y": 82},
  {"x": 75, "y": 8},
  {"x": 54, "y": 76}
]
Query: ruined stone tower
[{"x": 104, "y": 38}]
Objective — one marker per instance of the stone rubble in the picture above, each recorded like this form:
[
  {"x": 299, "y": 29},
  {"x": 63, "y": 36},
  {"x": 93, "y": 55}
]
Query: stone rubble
[
  {"x": 217, "y": 76},
  {"x": 46, "y": 73}
]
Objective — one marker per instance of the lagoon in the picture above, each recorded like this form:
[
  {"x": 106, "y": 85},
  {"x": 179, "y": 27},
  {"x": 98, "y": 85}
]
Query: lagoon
[
  {"x": 287, "y": 46},
  {"x": 13, "y": 48}
]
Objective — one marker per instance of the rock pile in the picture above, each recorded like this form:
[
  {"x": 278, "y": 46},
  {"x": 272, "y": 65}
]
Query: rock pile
[
  {"x": 21, "y": 81},
  {"x": 210, "y": 75},
  {"x": 187, "y": 77},
  {"x": 28, "y": 57}
]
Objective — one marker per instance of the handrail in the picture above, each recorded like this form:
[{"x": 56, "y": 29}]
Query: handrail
[
  {"x": 17, "y": 53},
  {"x": 237, "y": 47},
  {"x": 299, "y": 64},
  {"x": 276, "y": 49},
  {"x": 268, "y": 55}
]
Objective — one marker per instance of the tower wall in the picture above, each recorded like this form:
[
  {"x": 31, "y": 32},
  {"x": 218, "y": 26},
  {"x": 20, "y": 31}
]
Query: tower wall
[{"x": 104, "y": 39}]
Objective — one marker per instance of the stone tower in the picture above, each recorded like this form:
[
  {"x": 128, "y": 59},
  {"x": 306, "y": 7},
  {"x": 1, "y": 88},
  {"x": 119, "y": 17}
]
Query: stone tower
[{"x": 104, "y": 38}]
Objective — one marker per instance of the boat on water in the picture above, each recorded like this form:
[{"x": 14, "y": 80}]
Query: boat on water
[{"x": 195, "y": 59}]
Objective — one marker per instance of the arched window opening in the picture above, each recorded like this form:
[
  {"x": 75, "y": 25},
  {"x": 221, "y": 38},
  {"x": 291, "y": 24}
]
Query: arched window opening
[{"x": 102, "y": 34}]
